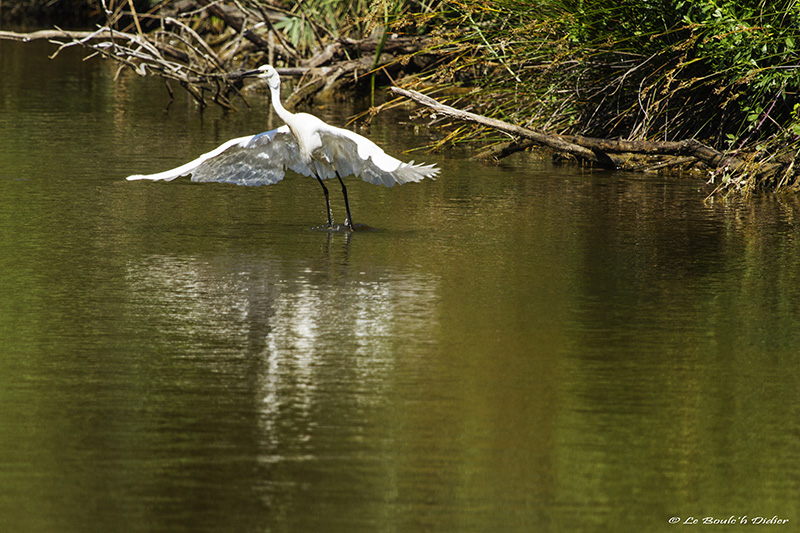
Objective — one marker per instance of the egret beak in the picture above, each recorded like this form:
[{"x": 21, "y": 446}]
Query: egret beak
[{"x": 250, "y": 73}]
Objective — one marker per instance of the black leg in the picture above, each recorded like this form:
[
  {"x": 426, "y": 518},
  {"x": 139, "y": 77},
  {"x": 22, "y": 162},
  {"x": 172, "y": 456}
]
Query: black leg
[
  {"x": 349, "y": 221},
  {"x": 327, "y": 202}
]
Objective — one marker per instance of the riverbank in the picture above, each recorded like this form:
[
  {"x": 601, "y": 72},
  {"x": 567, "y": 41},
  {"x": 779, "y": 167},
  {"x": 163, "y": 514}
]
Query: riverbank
[{"x": 721, "y": 74}]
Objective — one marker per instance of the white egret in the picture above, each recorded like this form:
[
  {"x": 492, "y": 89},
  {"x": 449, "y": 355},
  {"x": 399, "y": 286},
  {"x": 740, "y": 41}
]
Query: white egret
[{"x": 306, "y": 145}]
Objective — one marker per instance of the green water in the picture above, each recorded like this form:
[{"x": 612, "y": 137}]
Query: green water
[{"x": 517, "y": 347}]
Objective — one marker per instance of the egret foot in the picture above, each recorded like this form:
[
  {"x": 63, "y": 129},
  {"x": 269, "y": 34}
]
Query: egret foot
[
  {"x": 341, "y": 228},
  {"x": 333, "y": 228}
]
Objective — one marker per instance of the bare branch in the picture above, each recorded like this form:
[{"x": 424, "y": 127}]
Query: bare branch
[
  {"x": 551, "y": 141},
  {"x": 587, "y": 148}
]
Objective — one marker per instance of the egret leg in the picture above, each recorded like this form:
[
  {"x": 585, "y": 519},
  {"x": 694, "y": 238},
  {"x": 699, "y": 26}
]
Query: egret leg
[
  {"x": 327, "y": 202},
  {"x": 349, "y": 221}
]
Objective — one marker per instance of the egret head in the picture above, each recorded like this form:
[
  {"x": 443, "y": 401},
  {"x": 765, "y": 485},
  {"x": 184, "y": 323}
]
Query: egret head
[{"x": 268, "y": 73}]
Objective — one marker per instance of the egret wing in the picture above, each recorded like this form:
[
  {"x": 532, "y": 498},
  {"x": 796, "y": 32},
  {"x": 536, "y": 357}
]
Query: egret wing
[
  {"x": 350, "y": 153},
  {"x": 254, "y": 160}
]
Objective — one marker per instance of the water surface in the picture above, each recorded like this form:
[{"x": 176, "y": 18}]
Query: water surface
[{"x": 517, "y": 347}]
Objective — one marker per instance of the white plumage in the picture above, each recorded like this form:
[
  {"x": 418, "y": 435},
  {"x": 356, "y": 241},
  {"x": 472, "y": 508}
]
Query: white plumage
[{"x": 306, "y": 145}]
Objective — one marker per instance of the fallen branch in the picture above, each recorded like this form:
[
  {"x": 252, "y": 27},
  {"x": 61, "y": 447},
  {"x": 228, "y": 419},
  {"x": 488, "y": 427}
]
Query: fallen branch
[
  {"x": 689, "y": 147},
  {"x": 597, "y": 151},
  {"x": 551, "y": 141}
]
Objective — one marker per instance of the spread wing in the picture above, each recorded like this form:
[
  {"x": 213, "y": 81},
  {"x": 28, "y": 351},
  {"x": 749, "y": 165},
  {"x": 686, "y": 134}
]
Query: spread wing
[
  {"x": 350, "y": 153},
  {"x": 254, "y": 160}
]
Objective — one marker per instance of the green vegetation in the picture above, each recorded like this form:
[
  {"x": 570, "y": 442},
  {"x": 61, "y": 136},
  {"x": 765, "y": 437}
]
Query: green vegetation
[{"x": 723, "y": 72}]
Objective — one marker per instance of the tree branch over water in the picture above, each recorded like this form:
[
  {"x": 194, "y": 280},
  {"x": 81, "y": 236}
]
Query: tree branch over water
[
  {"x": 550, "y": 141},
  {"x": 602, "y": 152}
]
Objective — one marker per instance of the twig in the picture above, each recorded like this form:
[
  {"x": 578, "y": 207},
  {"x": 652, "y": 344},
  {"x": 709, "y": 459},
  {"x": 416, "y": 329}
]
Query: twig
[
  {"x": 135, "y": 18},
  {"x": 235, "y": 24},
  {"x": 210, "y": 54}
]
